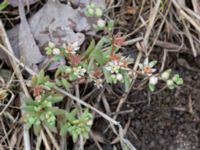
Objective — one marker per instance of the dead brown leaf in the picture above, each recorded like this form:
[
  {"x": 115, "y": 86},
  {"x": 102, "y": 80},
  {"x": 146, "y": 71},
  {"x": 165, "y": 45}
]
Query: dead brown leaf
[
  {"x": 29, "y": 51},
  {"x": 54, "y": 22}
]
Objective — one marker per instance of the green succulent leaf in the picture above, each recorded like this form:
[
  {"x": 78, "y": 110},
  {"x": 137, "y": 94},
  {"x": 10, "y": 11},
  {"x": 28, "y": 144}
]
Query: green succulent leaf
[
  {"x": 89, "y": 49},
  {"x": 151, "y": 87},
  {"x": 127, "y": 80},
  {"x": 65, "y": 83},
  {"x": 110, "y": 25},
  {"x": 3, "y": 4},
  {"x": 64, "y": 129}
]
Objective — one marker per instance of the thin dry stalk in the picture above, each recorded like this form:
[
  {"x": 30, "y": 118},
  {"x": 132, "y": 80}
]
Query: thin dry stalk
[
  {"x": 152, "y": 18},
  {"x": 186, "y": 16},
  {"x": 45, "y": 140},
  {"x": 38, "y": 142},
  {"x": 190, "y": 38},
  {"x": 160, "y": 28},
  {"x": 53, "y": 140}
]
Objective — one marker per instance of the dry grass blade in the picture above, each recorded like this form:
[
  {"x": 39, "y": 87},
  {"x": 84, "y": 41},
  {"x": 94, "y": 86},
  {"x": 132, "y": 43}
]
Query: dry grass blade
[
  {"x": 152, "y": 19},
  {"x": 186, "y": 16},
  {"x": 54, "y": 142},
  {"x": 190, "y": 39},
  {"x": 45, "y": 140}
]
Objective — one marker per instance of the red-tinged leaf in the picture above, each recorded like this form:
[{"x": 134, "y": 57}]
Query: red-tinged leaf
[{"x": 74, "y": 60}]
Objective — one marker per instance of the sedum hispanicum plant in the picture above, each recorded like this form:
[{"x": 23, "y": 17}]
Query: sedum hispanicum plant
[
  {"x": 171, "y": 81},
  {"x": 41, "y": 111},
  {"x": 100, "y": 63},
  {"x": 93, "y": 11},
  {"x": 76, "y": 125}
]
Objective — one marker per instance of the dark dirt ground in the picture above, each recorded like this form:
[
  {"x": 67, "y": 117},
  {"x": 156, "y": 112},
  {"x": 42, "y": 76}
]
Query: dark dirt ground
[{"x": 171, "y": 120}]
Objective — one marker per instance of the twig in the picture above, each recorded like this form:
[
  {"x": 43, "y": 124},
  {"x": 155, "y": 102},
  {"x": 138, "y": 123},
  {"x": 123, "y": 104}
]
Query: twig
[
  {"x": 39, "y": 141},
  {"x": 160, "y": 28},
  {"x": 45, "y": 140},
  {"x": 54, "y": 142},
  {"x": 190, "y": 39},
  {"x": 152, "y": 18},
  {"x": 186, "y": 16},
  {"x": 118, "y": 113},
  {"x": 116, "y": 140},
  {"x": 132, "y": 41}
]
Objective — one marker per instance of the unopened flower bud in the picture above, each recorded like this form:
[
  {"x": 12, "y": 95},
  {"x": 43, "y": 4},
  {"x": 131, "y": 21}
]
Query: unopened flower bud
[
  {"x": 101, "y": 23},
  {"x": 90, "y": 12},
  {"x": 153, "y": 80},
  {"x": 165, "y": 75},
  {"x": 56, "y": 51},
  {"x": 119, "y": 77},
  {"x": 170, "y": 83},
  {"x": 98, "y": 12},
  {"x": 51, "y": 45}
]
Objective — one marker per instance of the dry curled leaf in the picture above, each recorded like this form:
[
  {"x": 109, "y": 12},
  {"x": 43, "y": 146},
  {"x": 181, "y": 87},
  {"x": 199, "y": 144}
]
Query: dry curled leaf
[{"x": 54, "y": 22}]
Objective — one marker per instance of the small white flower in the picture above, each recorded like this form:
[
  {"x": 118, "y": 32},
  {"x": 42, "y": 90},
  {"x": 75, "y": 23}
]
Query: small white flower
[
  {"x": 101, "y": 23},
  {"x": 98, "y": 83},
  {"x": 75, "y": 46},
  {"x": 56, "y": 51},
  {"x": 147, "y": 67},
  {"x": 119, "y": 77},
  {"x": 113, "y": 67},
  {"x": 79, "y": 71},
  {"x": 153, "y": 80},
  {"x": 72, "y": 47},
  {"x": 82, "y": 71}
]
